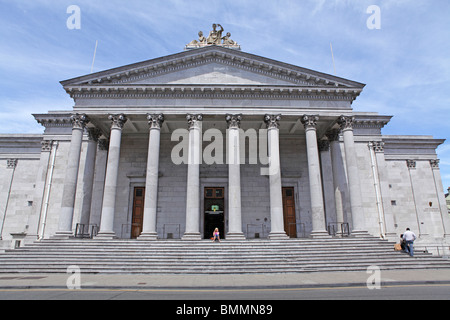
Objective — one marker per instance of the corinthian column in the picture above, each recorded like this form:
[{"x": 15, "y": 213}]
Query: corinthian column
[
  {"x": 354, "y": 184},
  {"x": 112, "y": 171},
  {"x": 192, "y": 231},
  {"x": 149, "y": 231},
  {"x": 315, "y": 180},
  {"x": 234, "y": 179},
  {"x": 276, "y": 201},
  {"x": 70, "y": 182}
]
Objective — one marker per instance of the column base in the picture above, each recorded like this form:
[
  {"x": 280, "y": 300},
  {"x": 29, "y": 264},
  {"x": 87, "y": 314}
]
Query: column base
[
  {"x": 278, "y": 236},
  {"x": 192, "y": 237},
  {"x": 235, "y": 236},
  {"x": 320, "y": 235},
  {"x": 62, "y": 235},
  {"x": 150, "y": 236},
  {"x": 107, "y": 235}
]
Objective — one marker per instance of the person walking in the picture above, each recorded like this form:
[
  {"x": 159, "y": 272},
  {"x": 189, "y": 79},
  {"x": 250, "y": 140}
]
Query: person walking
[{"x": 409, "y": 238}]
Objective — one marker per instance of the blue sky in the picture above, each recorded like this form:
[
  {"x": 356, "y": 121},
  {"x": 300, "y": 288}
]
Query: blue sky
[{"x": 405, "y": 64}]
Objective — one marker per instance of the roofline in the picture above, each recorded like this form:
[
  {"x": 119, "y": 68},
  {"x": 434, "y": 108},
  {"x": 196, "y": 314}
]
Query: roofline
[{"x": 203, "y": 51}]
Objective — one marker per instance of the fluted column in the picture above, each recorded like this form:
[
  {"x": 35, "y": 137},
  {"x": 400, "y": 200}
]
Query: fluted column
[
  {"x": 354, "y": 184},
  {"x": 88, "y": 176},
  {"x": 234, "y": 178},
  {"x": 276, "y": 198},
  {"x": 192, "y": 231},
  {"x": 112, "y": 171},
  {"x": 70, "y": 182},
  {"x": 149, "y": 231},
  {"x": 315, "y": 180}
]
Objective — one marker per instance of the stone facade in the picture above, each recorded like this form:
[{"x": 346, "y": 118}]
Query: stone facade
[{"x": 170, "y": 124}]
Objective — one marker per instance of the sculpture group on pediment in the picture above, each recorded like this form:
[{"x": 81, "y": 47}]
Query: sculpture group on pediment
[{"x": 214, "y": 38}]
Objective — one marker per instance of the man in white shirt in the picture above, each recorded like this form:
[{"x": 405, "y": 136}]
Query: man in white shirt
[{"x": 409, "y": 238}]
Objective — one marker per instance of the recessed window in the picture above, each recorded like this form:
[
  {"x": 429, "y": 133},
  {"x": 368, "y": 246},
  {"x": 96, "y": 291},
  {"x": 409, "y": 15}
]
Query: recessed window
[{"x": 394, "y": 202}]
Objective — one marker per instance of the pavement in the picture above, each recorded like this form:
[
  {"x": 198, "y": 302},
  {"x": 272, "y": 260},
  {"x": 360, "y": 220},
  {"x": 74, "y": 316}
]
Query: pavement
[{"x": 224, "y": 281}]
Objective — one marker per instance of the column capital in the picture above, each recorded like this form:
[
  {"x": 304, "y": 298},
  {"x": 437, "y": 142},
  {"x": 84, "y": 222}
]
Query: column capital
[
  {"x": 233, "y": 120},
  {"x": 310, "y": 121},
  {"x": 324, "y": 145},
  {"x": 94, "y": 134},
  {"x": 434, "y": 163},
  {"x": 79, "y": 121},
  {"x": 11, "y": 163},
  {"x": 346, "y": 122},
  {"x": 118, "y": 120},
  {"x": 46, "y": 145},
  {"x": 272, "y": 121},
  {"x": 103, "y": 144},
  {"x": 377, "y": 146},
  {"x": 333, "y": 135},
  {"x": 194, "y": 120},
  {"x": 155, "y": 121},
  {"x": 411, "y": 164}
]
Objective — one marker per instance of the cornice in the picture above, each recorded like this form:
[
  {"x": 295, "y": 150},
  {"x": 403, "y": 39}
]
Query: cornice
[{"x": 213, "y": 92}]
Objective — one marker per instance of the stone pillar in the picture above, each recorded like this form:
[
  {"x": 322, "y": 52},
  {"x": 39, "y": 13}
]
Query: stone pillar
[
  {"x": 234, "y": 178},
  {"x": 149, "y": 231},
  {"x": 112, "y": 170},
  {"x": 88, "y": 176},
  {"x": 99, "y": 182},
  {"x": 277, "y": 231},
  {"x": 192, "y": 231},
  {"x": 315, "y": 180},
  {"x": 39, "y": 193},
  {"x": 70, "y": 182},
  {"x": 338, "y": 174},
  {"x": 354, "y": 184}
]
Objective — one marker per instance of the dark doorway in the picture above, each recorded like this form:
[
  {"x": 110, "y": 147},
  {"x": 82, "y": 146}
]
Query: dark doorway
[{"x": 214, "y": 209}]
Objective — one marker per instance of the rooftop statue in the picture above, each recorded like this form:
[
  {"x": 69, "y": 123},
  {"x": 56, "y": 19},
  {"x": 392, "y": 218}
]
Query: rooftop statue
[{"x": 214, "y": 38}]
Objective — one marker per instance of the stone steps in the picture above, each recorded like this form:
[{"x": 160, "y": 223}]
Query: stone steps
[{"x": 184, "y": 257}]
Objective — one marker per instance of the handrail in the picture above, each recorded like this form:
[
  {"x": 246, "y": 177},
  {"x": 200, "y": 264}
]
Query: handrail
[
  {"x": 86, "y": 230},
  {"x": 334, "y": 226}
]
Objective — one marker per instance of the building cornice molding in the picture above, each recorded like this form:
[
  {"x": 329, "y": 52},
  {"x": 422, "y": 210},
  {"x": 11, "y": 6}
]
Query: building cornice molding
[{"x": 213, "y": 92}]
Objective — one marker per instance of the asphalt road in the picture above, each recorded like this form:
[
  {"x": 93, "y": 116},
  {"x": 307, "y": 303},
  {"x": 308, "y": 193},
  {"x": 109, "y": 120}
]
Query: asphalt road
[{"x": 258, "y": 296}]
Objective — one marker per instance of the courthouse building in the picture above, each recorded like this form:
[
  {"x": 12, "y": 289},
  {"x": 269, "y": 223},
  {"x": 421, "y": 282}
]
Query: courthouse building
[{"x": 173, "y": 147}]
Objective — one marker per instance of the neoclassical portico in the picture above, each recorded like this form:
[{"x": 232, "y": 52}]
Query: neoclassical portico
[
  {"x": 286, "y": 111},
  {"x": 193, "y": 192}
]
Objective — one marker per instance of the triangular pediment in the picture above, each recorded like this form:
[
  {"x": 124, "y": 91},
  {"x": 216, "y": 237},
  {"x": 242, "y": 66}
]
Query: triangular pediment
[{"x": 211, "y": 65}]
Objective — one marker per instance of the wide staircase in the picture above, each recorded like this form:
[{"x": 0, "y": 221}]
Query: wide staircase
[{"x": 206, "y": 257}]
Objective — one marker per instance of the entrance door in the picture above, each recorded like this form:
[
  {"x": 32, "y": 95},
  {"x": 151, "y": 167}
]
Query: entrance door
[
  {"x": 214, "y": 209},
  {"x": 290, "y": 226},
  {"x": 138, "y": 212}
]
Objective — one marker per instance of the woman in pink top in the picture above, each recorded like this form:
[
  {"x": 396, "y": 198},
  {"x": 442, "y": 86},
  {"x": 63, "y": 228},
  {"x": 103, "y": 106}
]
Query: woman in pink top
[{"x": 216, "y": 235}]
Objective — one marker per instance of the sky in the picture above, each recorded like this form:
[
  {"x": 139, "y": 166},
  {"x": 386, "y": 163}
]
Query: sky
[{"x": 401, "y": 52}]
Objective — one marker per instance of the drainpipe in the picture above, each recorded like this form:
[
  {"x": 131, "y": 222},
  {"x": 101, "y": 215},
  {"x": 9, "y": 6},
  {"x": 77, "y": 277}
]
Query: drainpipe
[
  {"x": 376, "y": 184},
  {"x": 47, "y": 191}
]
